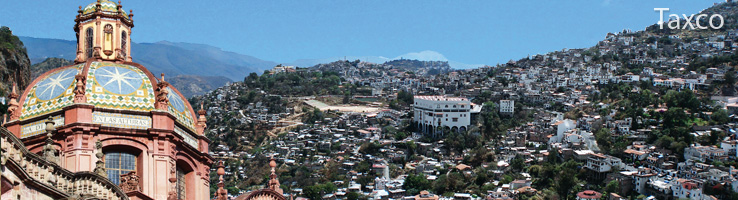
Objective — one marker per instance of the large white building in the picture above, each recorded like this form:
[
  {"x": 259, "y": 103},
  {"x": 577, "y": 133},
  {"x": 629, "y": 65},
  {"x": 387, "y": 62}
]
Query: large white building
[
  {"x": 433, "y": 114},
  {"x": 507, "y": 106}
]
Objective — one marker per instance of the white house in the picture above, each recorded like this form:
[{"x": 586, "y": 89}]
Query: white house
[
  {"x": 507, "y": 106},
  {"x": 434, "y": 113}
]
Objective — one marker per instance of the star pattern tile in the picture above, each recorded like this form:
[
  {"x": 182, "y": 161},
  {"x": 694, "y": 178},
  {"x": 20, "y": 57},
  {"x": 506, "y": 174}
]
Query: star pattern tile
[
  {"x": 118, "y": 80},
  {"x": 50, "y": 93},
  {"x": 55, "y": 84},
  {"x": 175, "y": 100},
  {"x": 119, "y": 86},
  {"x": 109, "y": 85}
]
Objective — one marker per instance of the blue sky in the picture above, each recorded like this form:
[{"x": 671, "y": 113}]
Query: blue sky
[{"x": 469, "y": 31}]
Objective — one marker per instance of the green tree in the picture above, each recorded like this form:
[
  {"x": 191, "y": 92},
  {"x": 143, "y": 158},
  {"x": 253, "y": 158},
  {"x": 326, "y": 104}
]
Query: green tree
[
  {"x": 312, "y": 192},
  {"x": 613, "y": 187},
  {"x": 352, "y": 196},
  {"x": 675, "y": 117},
  {"x": 415, "y": 183},
  {"x": 720, "y": 116}
]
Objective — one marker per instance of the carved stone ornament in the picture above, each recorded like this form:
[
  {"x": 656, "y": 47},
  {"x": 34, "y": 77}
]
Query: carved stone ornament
[
  {"x": 79, "y": 89},
  {"x": 129, "y": 182}
]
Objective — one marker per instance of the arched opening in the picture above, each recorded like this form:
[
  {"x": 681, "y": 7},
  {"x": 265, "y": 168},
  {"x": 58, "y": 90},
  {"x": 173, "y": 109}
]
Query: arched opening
[
  {"x": 181, "y": 183},
  {"x": 120, "y": 160},
  {"x": 89, "y": 34},
  {"x": 108, "y": 39},
  {"x": 455, "y": 129},
  {"x": 462, "y": 129},
  {"x": 123, "y": 43},
  {"x": 118, "y": 163},
  {"x": 185, "y": 178}
]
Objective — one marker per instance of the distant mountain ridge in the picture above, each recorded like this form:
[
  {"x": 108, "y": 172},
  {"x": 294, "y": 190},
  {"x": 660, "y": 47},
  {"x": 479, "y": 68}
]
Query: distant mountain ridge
[
  {"x": 198, "y": 68},
  {"x": 426, "y": 55},
  {"x": 163, "y": 57}
]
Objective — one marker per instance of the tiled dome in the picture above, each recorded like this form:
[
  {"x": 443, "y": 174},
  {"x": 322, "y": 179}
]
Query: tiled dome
[
  {"x": 109, "y": 85},
  {"x": 107, "y": 7}
]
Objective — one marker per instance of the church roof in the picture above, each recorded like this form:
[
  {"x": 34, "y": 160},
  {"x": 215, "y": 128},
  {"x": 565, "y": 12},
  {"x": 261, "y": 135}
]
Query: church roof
[
  {"x": 115, "y": 86},
  {"x": 107, "y": 7}
]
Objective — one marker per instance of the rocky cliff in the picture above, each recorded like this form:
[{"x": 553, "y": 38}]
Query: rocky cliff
[{"x": 14, "y": 62}]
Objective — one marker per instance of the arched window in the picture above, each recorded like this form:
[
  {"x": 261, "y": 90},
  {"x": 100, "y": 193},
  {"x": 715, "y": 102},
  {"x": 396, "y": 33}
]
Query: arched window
[
  {"x": 117, "y": 163},
  {"x": 88, "y": 42},
  {"x": 181, "y": 183},
  {"x": 108, "y": 39},
  {"x": 123, "y": 43}
]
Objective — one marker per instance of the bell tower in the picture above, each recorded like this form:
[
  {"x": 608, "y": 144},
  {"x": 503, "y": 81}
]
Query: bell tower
[{"x": 103, "y": 32}]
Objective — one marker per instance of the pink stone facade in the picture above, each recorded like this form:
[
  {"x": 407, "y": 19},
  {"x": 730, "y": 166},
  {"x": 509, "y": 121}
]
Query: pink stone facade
[{"x": 159, "y": 140}]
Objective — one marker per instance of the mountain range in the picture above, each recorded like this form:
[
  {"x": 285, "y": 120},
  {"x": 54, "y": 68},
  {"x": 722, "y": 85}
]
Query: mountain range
[
  {"x": 192, "y": 68},
  {"x": 171, "y": 58},
  {"x": 198, "y": 68},
  {"x": 426, "y": 55}
]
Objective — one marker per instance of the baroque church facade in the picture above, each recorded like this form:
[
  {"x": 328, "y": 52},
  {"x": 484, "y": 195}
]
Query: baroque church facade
[{"x": 104, "y": 127}]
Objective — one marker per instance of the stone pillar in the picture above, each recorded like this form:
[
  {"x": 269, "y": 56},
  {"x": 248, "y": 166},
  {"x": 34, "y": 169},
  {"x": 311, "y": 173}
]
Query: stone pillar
[
  {"x": 163, "y": 165},
  {"x": 78, "y": 149}
]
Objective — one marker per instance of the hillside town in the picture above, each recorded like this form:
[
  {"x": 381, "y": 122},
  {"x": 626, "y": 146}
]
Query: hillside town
[
  {"x": 646, "y": 114},
  {"x": 640, "y": 115}
]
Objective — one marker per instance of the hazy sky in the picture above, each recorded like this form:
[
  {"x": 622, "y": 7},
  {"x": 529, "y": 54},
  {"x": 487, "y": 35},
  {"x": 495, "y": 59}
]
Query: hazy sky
[{"x": 468, "y": 31}]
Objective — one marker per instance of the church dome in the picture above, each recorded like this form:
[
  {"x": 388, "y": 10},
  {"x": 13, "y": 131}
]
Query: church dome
[
  {"x": 113, "y": 86},
  {"x": 107, "y": 7}
]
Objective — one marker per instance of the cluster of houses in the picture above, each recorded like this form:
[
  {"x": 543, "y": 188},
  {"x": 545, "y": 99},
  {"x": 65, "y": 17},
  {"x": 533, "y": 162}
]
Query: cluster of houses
[{"x": 548, "y": 85}]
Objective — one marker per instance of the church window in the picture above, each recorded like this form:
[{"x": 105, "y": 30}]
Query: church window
[
  {"x": 117, "y": 163},
  {"x": 123, "y": 43},
  {"x": 88, "y": 42},
  {"x": 181, "y": 184}
]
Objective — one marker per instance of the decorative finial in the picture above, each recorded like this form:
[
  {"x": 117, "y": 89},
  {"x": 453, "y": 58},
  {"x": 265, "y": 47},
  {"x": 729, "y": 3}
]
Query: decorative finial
[
  {"x": 13, "y": 105},
  {"x": 14, "y": 89},
  {"x": 272, "y": 163},
  {"x": 273, "y": 180},
  {"x": 49, "y": 151},
  {"x": 201, "y": 120},
  {"x": 100, "y": 164},
  {"x": 119, "y": 9},
  {"x": 222, "y": 193},
  {"x": 49, "y": 125},
  {"x": 79, "y": 88},
  {"x": 162, "y": 97}
]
